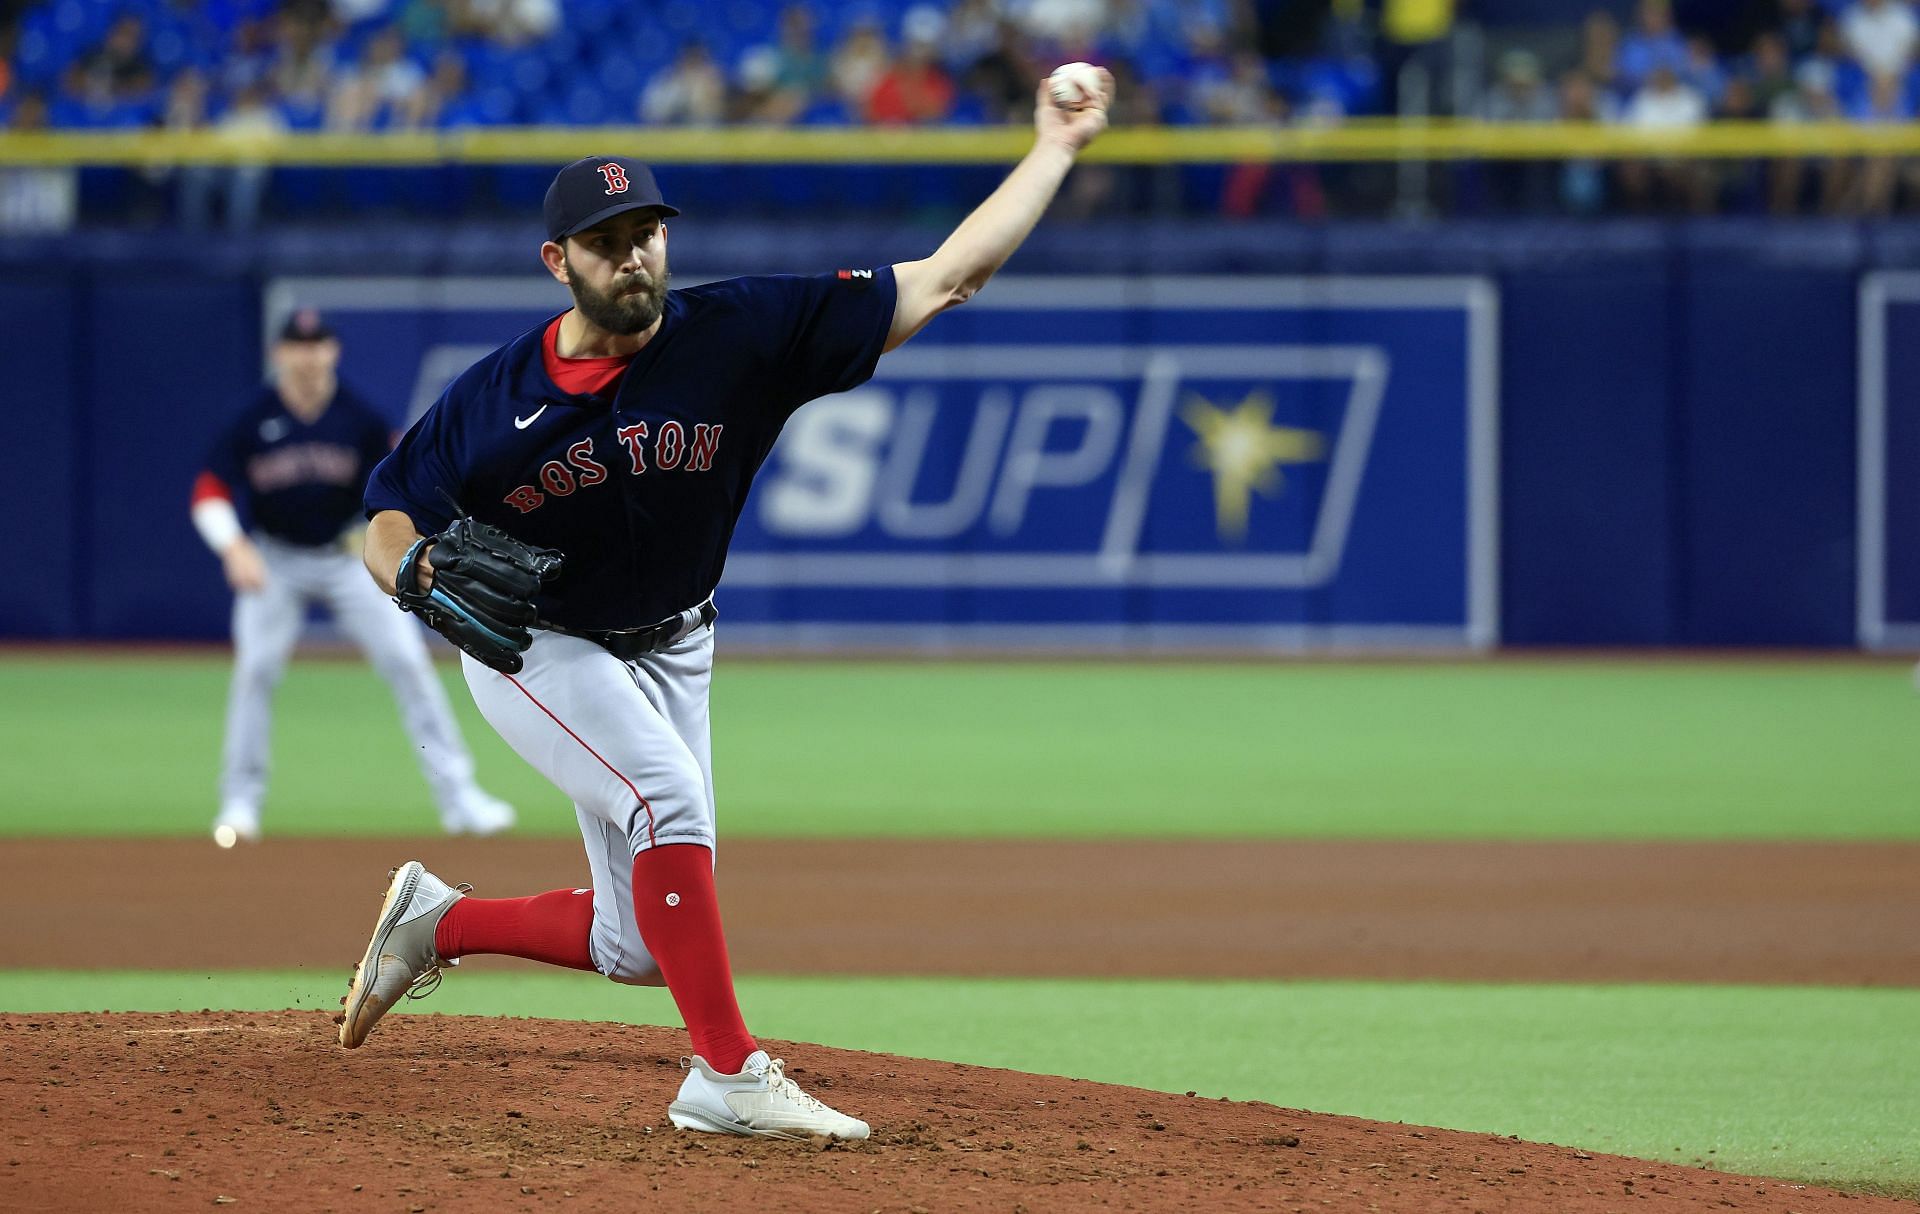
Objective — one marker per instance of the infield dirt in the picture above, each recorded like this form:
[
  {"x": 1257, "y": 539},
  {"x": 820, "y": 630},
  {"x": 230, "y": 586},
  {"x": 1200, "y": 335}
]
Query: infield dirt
[
  {"x": 1844, "y": 914},
  {"x": 262, "y": 1111}
]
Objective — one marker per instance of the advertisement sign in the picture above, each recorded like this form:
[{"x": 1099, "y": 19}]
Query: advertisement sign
[{"x": 1095, "y": 462}]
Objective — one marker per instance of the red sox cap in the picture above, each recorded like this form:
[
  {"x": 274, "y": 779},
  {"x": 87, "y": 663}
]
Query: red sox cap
[
  {"x": 599, "y": 187},
  {"x": 305, "y": 324}
]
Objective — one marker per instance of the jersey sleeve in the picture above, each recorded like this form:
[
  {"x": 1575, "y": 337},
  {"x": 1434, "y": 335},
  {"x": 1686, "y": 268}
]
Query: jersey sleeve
[
  {"x": 418, "y": 475},
  {"x": 836, "y": 326}
]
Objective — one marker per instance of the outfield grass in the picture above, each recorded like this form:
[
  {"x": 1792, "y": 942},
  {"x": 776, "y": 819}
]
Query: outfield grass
[
  {"x": 1494, "y": 750},
  {"x": 1812, "y": 1084}
]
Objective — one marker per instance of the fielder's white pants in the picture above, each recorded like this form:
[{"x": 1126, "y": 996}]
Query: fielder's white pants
[
  {"x": 629, "y": 744},
  {"x": 267, "y": 623}
]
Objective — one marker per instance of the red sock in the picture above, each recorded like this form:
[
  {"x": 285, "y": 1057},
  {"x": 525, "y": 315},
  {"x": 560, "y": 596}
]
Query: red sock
[
  {"x": 552, "y": 927},
  {"x": 679, "y": 919}
]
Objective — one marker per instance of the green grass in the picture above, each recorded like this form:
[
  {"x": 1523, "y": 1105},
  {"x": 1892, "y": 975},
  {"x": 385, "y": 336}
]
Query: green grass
[
  {"x": 1513, "y": 750},
  {"x": 1813, "y": 1084}
]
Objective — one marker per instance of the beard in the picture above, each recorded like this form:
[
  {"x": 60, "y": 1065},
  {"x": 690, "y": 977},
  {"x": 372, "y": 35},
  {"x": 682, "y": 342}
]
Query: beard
[{"x": 616, "y": 311}]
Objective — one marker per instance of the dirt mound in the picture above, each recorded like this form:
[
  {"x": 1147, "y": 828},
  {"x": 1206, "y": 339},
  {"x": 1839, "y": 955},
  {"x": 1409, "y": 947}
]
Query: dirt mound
[{"x": 261, "y": 1111}]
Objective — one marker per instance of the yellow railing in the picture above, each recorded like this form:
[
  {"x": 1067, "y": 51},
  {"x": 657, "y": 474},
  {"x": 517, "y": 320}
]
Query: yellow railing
[{"x": 1356, "y": 141}]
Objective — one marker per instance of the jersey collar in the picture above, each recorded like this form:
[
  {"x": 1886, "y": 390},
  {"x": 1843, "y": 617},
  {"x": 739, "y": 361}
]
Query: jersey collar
[{"x": 532, "y": 383}]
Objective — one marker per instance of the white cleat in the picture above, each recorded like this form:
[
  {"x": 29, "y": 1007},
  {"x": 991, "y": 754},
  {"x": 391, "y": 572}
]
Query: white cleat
[
  {"x": 399, "y": 961},
  {"x": 479, "y": 814},
  {"x": 236, "y": 824},
  {"x": 759, "y": 1102}
]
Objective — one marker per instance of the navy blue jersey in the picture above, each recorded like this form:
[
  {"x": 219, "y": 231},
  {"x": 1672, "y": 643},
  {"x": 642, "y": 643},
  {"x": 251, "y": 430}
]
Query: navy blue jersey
[
  {"x": 301, "y": 482},
  {"x": 639, "y": 490}
]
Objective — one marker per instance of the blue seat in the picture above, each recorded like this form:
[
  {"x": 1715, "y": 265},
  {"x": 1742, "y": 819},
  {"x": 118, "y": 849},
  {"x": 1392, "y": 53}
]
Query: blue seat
[{"x": 584, "y": 103}]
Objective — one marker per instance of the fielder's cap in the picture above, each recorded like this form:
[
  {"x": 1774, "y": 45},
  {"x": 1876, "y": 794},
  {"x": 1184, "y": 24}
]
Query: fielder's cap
[
  {"x": 599, "y": 187},
  {"x": 306, "y": 324}
]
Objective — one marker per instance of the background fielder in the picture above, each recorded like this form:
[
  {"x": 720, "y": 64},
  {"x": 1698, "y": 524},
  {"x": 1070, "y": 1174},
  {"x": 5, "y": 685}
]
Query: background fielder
[
  {"x": 298, "y": 456},
  {"x": 605, "y": 457}
]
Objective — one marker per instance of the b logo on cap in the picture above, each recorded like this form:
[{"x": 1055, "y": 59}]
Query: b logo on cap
[{"x": 616, "y": 177}]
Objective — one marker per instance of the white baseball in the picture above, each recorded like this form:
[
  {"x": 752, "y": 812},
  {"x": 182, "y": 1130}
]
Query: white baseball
[{"x": 1074, "y": 86}]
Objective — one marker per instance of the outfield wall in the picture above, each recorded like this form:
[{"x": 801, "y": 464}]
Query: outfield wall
[{"x": 1671, "y": 422}]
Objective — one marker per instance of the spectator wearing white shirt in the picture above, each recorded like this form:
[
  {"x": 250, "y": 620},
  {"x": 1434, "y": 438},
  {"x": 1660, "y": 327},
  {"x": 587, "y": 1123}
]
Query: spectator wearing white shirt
[
  {"x": 252, "y": 120},
  {"x": 1061, "y": 20},
  {"x": 1881, "y": 36},
  {"x": 506, "y": 22},
  {"x": 388, "y": 84},
  {"x": 1666, "y": 103},
  {"x": 692, "y": 92},
  {"x": 36, "y": 200}
]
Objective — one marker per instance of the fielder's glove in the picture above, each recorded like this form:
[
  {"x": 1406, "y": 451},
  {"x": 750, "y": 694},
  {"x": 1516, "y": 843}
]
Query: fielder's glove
[{"x": 484, "y": 581}]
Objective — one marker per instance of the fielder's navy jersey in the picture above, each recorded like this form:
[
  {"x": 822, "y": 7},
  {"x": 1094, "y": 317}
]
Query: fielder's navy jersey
[
  {"x": 639, "y": 490},
  {"x": 301, "y": 482}
]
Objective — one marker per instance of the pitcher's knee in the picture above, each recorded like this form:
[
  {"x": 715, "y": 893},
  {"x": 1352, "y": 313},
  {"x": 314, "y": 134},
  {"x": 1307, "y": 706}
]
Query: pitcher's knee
[
  {"x": 633, "y": 971},
  {"x": 676, "y": 813},
  {"x": 644, "y": 832}
]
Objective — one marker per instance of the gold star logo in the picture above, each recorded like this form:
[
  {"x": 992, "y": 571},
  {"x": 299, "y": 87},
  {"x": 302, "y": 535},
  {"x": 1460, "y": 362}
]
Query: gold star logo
[{"x": 1244, "y": 450}]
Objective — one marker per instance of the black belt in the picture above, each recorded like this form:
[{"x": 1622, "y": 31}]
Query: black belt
[{"x": 630, "y": 643}]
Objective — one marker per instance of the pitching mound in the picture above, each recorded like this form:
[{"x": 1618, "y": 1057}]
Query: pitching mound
[{"x": 262, "y": 1111}]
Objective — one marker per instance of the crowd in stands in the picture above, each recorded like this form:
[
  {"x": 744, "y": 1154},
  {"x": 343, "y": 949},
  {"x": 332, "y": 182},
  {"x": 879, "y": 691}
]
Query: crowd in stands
[
  {"x": 358, "y": 65},
  {"x": 1806, "y": 61},
  {"x": 262, "y": 66}
]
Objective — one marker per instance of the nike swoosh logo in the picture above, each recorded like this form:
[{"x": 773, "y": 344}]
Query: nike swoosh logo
[{"x": 521, "y": 423}]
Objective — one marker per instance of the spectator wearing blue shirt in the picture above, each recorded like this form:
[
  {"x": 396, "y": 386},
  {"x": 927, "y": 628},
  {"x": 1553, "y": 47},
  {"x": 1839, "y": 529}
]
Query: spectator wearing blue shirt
[
  {"x": 303, "y": 68},
  {"x": 1703, "y": 71},
  {"x": 1652, "y": 43},
  {"x": 1886, "y": 100},
  {"x": 447, "y": 103}
]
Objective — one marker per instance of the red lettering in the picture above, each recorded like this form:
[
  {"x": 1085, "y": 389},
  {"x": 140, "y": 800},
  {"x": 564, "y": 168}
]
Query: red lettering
[
  {"x": 615, "y": 177},
  {"x": 706, "y": 441},
  {"x": 631, "y": 437},
  {"x": 580, "y": 455},
  {"x": 525, "y": 499},
  {"x": 667, "y": 451},
  {"x": 556, "y": 477}
]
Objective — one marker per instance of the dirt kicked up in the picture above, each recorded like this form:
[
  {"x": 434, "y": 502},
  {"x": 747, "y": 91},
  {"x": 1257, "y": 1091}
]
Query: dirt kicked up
[{"x": 262, "y": 1111}]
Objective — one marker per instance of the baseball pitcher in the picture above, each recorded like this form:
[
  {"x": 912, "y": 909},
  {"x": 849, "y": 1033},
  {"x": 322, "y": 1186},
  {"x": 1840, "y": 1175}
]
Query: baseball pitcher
[{"x": 563, "y": 513}]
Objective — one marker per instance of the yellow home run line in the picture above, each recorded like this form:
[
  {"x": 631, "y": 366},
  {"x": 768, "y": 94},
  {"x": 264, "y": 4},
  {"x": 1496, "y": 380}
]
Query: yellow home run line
[{"x": 1361, "y": 140}]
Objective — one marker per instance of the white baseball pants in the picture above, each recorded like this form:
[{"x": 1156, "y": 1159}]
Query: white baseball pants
[
  {"x": 628, "y": 743},
  {"x": 266, "y": 624}
]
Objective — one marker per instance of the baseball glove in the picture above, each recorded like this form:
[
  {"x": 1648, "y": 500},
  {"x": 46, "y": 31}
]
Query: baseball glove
[{"x": 484, "y": 581}]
